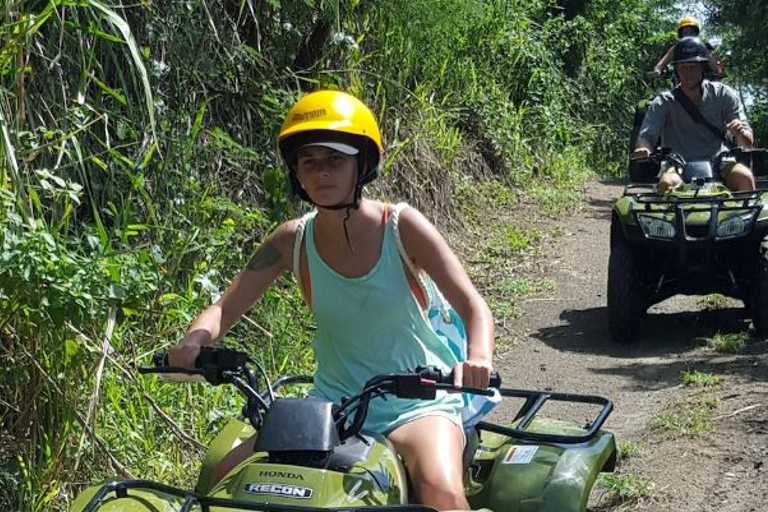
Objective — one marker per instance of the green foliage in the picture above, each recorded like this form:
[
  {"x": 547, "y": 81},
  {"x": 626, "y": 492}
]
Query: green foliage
[
  {"x": 525, "y": 287},
  {"x": 628, "y": 450},
  {"x": 502, "y": 310},
  {"x": 741, "y": 27},
  {"x": 627, "y": 489},
  {"x": 516, "y": 239},
  {"x": 139, "y": 173},
  {"x": 472, "y": 196},
  {"x": 700, "y": 379},
  {"x": 713, "y": 301},
  {"x": 688, "y": 419},
  {"x": 728, "y": 342}
]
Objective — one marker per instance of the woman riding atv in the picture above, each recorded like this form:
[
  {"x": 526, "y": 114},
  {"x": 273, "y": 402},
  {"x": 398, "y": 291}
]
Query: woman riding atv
[
  {"x": 695, "y": 120},
  {"x": 369, "y": 317}
]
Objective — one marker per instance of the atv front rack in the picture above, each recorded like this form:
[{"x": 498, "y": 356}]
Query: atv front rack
[
  {"x": 534, "y": 401},
  {"x": 682, "y": 208},
  {"x": 117, "y": 489},
  {"x": 643, "y": 196}
]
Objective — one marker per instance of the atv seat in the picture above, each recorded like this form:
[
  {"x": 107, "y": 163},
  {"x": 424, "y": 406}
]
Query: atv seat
[{"x": 356, "y": 449}]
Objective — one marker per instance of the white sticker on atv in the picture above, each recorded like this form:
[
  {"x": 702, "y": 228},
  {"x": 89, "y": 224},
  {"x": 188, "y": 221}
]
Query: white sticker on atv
[
  {"x": 286, "y": 491},
  {"x": 520, "y": 454}
]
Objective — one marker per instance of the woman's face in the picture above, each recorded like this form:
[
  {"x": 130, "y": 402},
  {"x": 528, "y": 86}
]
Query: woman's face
[{"x": 328, "y": 176}]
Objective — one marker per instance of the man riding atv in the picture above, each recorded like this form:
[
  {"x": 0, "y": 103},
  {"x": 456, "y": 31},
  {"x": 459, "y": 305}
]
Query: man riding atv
[
  {"x": 691, "y": 221},
  {"x": 697, "y": 120}
]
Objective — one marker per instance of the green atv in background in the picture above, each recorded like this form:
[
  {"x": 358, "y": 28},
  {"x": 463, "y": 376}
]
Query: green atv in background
[
  {"x": 313, "y": 456},
  {"x": 698, "y": 239}
]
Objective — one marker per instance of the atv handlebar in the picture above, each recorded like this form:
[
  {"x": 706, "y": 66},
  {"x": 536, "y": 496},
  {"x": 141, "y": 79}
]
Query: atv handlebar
[
  {"x": 215, "y": 364},
  {"x": 644, "y": 169},
  {"x": 219, "y": 365},
  {"x": 664, "y": 153},
  {"x": 422, "y": 383}
]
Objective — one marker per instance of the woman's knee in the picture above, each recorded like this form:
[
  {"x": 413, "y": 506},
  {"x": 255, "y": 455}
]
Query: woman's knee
[
  {"x": 440, "y": 497},
  {"x": 431, "y": 448}
]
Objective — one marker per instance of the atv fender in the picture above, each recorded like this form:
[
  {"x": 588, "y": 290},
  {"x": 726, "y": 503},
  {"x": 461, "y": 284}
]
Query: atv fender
[
  {"x": 137, "y": 501},
  {"x": 558, "y": 478},
  {"x": 233, "y": 433}
]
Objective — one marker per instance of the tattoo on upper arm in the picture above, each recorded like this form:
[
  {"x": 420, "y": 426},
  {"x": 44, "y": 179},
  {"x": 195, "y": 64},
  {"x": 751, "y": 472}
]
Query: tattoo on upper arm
[{"x": 266, "y": 256}]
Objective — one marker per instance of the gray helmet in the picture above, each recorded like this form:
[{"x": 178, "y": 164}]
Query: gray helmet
[{"x": 689, "y": 49}]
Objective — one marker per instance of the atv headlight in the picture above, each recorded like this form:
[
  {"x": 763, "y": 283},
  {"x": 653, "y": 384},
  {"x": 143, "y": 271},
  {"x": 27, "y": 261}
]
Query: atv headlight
[
  {"x": 655, "y": 227},
  {"x": 735, "y": 226}
]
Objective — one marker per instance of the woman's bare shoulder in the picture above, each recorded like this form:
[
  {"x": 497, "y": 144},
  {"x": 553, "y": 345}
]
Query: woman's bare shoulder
[
  {"x": 278, "y": 246},
  {"x": 411, "y": 219}
]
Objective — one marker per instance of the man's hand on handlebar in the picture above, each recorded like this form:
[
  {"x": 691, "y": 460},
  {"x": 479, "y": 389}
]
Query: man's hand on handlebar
[
  {"x": 740, "y": 132},
  {"x": 184, "y": 353},
  {"x": 641, "y": 153}
]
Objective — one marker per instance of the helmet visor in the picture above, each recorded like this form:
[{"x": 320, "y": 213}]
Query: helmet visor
[{"x": 336, "y": 146}]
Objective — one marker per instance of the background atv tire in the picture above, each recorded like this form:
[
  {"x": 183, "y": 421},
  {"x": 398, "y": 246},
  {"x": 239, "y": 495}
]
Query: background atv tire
[
  {"x": 759, "y": 302},
  {"x": 626, "y": 304}
]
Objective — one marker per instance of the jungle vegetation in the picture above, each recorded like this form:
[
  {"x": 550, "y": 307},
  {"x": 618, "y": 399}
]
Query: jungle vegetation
[{"x": 139, "y": 173}]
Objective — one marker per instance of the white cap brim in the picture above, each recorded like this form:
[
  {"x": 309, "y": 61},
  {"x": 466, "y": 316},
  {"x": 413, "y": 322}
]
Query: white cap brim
[{"x": 336, "y": 146}]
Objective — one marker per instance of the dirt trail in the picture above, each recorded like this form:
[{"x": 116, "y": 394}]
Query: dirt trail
[{"x": 560, "y": 341}]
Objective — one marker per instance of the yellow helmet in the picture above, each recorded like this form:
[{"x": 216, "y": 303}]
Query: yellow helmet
[
  {"x": 688, "y": 21},
  {"x": 331, "y": 117}
]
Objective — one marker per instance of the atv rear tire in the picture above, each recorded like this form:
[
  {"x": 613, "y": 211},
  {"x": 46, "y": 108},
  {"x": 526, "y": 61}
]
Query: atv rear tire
[
  {"x": 626, "y": 304},
  {"x": 759, "y": 302}
]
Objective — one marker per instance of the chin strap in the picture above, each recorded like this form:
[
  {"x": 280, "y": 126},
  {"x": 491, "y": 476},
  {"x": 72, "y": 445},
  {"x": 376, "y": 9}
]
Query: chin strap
[{"x": 349, "y": 207}]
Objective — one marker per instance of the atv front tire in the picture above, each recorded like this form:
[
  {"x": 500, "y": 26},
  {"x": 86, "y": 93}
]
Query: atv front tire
[
  {"x": 759, "y": 302},
  {"x": 626, "y": 304}
]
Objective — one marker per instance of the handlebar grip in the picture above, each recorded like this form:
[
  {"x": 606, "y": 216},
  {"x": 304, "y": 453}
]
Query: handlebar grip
[
  {"x": 434, "y": 373},
  {"x": 160, "y": 359}
]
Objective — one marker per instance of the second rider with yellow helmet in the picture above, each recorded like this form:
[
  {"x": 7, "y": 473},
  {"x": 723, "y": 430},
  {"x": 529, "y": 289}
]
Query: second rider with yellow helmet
[
  {"x": 369, "y": 320},
  {"x": 690, "y": 27}
]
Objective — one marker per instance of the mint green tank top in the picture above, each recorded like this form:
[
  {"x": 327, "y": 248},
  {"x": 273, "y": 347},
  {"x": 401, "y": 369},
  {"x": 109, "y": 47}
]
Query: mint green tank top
[{"x": 370, "y": 325}]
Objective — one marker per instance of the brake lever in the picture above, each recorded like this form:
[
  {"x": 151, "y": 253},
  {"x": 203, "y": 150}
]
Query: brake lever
[
  {"x": 464, "y": 389},
  {"x": 173, "y": 374}
]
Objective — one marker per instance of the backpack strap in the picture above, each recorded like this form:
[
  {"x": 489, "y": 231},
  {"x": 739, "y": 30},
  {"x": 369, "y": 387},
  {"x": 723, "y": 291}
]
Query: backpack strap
[
  {"x": 416, "y": 273},
  {"x": 695, "y": 113},
  {"x": 432, "y": 295},
  {"x": 306, "y": 288}
]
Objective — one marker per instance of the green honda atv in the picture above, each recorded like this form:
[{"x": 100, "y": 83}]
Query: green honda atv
[
  {"x": 314, "y": 456},
  {"x": 698, "y": 239}
]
